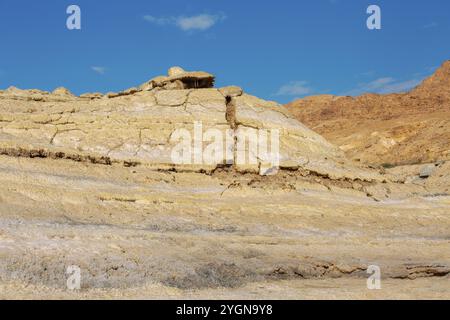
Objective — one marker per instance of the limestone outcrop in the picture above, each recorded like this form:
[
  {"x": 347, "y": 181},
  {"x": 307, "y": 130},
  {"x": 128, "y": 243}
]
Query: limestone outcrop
[
  {"x": 178, "y": 78},
  {"x": 136, "y": 126}
]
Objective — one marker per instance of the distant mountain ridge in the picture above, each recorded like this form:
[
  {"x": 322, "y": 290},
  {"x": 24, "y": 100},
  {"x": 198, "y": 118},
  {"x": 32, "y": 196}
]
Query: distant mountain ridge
[{"x": 391, "y": 129}]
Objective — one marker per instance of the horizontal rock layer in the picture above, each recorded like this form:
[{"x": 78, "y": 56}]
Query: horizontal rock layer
[{"x": 138, "y": 128}]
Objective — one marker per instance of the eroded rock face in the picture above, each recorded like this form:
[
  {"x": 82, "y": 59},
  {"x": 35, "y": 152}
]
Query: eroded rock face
[
  {"x": 139, "y": 233},
  {"x": 178, "y": 79},
  {"x": 90, "y": 181},
  {"x": 137, "y": 127}
]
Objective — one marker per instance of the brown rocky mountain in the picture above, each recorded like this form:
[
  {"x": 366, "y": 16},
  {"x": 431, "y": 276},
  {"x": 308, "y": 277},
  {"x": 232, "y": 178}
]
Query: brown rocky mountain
[
  {"x": 391, "y": 129},
  {"x": 91, "y": 182}
]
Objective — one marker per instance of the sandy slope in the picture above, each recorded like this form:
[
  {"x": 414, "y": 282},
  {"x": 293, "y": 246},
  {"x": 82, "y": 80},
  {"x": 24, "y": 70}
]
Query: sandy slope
[{"x": 139, "y": 233}]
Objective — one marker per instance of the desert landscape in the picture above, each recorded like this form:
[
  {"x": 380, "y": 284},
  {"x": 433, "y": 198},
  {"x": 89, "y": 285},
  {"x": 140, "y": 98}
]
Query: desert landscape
[
  {"x": 90, "y": 181},
  {"x": 390, "y": 130}
]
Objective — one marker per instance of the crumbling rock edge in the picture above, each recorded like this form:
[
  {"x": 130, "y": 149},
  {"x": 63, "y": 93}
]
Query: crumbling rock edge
[{"x": 286, "y": 178}]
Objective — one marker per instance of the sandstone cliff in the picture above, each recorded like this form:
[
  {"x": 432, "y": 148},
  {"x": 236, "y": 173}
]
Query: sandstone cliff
[{"x": 136, "y": 127}]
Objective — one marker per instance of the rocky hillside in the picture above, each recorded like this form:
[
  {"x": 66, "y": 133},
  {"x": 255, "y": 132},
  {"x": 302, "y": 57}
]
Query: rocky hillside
[
  {"x": 392, "y": 129},
  {"x": 137, "y": 126},
  {"x": 90, "y": 182}
]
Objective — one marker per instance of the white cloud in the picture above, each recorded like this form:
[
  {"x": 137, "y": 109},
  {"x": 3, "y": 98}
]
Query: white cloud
[
  {"x": 379, "y": 84},
  {"x": 294, "y": 88},
  {"x": 199, "y": 22},
  {"x": 158, "y": 21},
  {"x": 401, "y": 86},
  {"x": 99, "y": 70},
  {"x": 383, "y": 86},
  {"x": 366, "y": 74},
  {"x": 430, "y": 25}
]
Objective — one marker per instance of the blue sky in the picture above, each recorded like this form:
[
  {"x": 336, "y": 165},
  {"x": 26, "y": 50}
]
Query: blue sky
[{"x": 278, "y": 50}]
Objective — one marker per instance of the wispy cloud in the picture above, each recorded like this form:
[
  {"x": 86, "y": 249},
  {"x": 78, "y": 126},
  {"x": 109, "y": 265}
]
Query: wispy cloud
[
  {"x": 430, "y": 25},
  {"x": 384, "y": 85},
  {"x": 99, "y": 70},
  {"x": 294, "y": 88},
  {"x": 199, "y": 22},
  {"x": 366, "y": 74},
  {"x": 161, "y": 21},
  {"x": 401, "y": 86}
]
